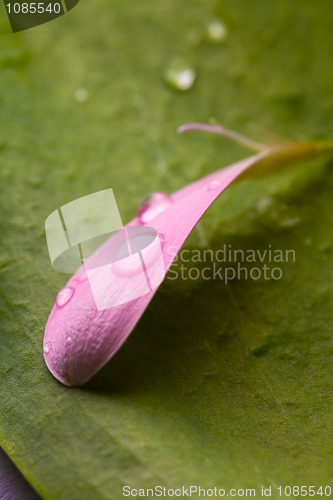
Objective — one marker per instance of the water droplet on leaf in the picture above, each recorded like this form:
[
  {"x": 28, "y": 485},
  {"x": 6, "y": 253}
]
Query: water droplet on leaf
[
  {"x": 64, "y": 296},
  {"x": 81, "y": 95},
  {"x": 180, "y": 75},
  {"x": 216, "y": 31},
  {"x": 152, "y": 205}
]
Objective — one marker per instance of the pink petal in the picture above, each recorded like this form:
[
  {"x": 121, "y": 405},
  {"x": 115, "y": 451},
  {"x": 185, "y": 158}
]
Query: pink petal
[{"x": 79, "y": 339}]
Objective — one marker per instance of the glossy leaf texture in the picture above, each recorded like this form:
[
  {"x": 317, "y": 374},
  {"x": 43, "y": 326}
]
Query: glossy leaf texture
[{"x": 226, "y": 385}]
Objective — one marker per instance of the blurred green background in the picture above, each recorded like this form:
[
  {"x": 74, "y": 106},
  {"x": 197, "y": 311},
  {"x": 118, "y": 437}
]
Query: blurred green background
[{"x": 219, "y": 385}]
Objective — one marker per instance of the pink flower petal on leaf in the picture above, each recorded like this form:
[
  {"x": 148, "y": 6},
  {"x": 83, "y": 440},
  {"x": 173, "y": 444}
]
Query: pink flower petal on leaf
[{"x": 79, "y": 338}]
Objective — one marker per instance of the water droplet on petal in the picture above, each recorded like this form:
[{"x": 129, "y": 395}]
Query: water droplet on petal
[
  {"x": 216, "y": 31},
  {"x": 180, "y": 75},
  {"x": 64, "y": 296},
  {"x": 152, "y": 205},
  {"x": 213, "y": 185},
  {"x": 47, "y": 347},
  {"x": 69, "y": 339}
]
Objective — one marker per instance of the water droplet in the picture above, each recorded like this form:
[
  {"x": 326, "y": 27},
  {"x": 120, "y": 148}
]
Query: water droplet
[
  {"x": 213, "y": 185},
  {"x": 216, "y": 31},
  {"x": 69, "y": 339},
  {"x": 180, "y": 75},
  {"x": 286, "y": 221},
  {"x": 152, "y": 205},
  {"x": 81, "y": 95},
  {"x": 264, "y": 204},
  {"x": 64, "y": 296},
  {"x": 47, "y": 347}
]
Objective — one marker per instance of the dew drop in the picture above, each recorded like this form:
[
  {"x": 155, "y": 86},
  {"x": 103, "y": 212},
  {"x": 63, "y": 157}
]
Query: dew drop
[
  {"x": 152, "y": 205},
  {"x": 81, "y": 95},
  {"x": 180, "y": 75},
  {"x": 69, "y": 340},
  {"x": 47, "y": 347},
  {"x": 64, "y": 296},
  {"x": 213, "y": 185},
  {"x": 216, "y": 31}
]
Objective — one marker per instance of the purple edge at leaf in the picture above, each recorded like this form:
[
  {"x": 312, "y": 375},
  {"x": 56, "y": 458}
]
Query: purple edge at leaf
[{"x": 13, "y": 486}]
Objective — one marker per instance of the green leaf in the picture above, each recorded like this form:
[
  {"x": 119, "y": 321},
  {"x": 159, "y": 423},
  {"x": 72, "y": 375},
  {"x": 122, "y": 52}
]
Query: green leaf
[{"x": 226, "y": 385}]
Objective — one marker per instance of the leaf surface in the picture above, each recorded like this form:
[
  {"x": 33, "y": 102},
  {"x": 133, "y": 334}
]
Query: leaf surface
[{"x": 226, "y": 385}]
